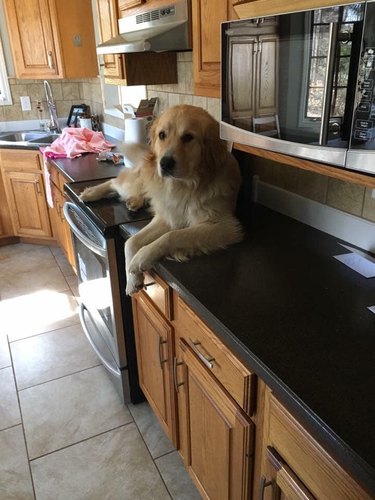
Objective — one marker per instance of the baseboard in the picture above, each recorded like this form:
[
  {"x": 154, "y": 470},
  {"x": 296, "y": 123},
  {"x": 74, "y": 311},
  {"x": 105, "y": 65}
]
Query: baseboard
[{"x": 355, "y": 230}]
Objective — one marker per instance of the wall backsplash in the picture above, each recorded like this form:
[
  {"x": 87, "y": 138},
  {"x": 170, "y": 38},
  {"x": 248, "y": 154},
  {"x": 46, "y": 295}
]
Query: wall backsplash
[
  {"x": 345, "y": 196},
  {"x": 65, "y": 93}
]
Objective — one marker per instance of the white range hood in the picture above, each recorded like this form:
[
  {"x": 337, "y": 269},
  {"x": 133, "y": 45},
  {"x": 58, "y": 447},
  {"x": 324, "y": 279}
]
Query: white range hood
[{"x": 158, "y": 30}]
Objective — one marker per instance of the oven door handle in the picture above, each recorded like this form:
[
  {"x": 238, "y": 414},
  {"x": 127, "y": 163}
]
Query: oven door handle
[
  {"x": 110, "y": 368},
  {"x": 102, "y": 251}
]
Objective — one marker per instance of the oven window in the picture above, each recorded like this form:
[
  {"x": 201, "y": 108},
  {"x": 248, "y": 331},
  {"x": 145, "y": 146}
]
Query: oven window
[{"x": 94, "y": 282}]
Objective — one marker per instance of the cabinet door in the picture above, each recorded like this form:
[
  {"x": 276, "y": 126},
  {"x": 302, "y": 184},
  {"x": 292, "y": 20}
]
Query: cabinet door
[
  {"x": 33, "y": 37},
  {"x": 67, "y": 243},
  {"x": 266, "y": 89},
  {"x": 153, "y": 336},
  {"x": 219, "y": 434},
  {"x": 57, "y": 227},
  {"x": 108, "y": 28},
  {"x": 5, "y": 219},
  {"x": 26, "y": 198},
  {"x": 281, "y": 482},
  {"x": 207, "y": 16},
  {"x": 242, "y": 85},
  {"x": 129, "y": 4}
]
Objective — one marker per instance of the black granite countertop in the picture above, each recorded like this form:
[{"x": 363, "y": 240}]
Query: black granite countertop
[
  {"x": 299, "y": 318},
  {"x": 295, "y": 315},
  {"x": 87, "y": 167}
]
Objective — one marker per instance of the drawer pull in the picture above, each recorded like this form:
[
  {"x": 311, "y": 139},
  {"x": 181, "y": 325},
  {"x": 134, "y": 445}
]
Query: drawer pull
[
  {"x": 149, "y": 284},
  {"x": 264, "y": 484},
  {"x": 50, "y": 60},
  {"x": 208, "y": 361},
  {"x": 161, "y": 360},
  {"x": 175, "y": 365}
]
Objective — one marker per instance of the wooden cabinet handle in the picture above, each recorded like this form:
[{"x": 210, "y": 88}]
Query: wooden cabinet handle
[
  {"x": 264, "y": 483},
  {"x": 37, "y": 186},
  {"x": 208, "y": 361},
  {"x": 50, "y": 59},
  {"x": 175, "y": 365},
  {"x": 286, "y": 480},
  {"x": 161, "y": 360}
]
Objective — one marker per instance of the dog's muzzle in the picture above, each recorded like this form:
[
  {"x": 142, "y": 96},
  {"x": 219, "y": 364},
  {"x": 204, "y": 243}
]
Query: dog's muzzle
[{"x": 167, "y": 165}]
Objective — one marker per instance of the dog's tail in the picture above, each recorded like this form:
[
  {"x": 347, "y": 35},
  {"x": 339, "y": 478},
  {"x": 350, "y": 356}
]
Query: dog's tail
[{"x": 134, "y": 154}]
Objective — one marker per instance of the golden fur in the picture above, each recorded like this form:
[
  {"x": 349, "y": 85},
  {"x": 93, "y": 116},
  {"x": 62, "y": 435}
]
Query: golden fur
[{"x": 191, "y": 182}]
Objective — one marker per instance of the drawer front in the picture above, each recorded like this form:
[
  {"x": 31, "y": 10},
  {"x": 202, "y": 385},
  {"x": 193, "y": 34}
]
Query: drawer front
[
  {"x": 19, "y": 160},
  {"x": 231, "y": 373},
  {"x": 159, "y": 293},
  {"x": 309, "y": 461}
]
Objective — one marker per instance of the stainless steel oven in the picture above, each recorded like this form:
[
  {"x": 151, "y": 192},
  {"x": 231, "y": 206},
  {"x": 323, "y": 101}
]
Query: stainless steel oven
[
  {"x": 105, "y": 311},
  {"x": 303, "y": 84}
]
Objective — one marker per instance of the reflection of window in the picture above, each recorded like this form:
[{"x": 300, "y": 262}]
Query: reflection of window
[
  {"x": 5, "y": 96},
  {"x": 345, "y": 17}
]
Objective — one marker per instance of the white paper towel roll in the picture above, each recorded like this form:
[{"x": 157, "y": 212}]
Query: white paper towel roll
[
  {"x": 136, "y": 129},
  {"x": 85, "y": 123}
]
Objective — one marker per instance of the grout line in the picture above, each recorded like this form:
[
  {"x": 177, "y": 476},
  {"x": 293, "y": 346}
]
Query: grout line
[
  {"x": 8, "y": 366},
  {"x": 59, "y": 378},
  {"x": 149, "y": 452},
  {"x": 21, "y": 416},
  {"x": 11, "y": 426},
  {"x": 47, "y": 331},
  {"x": 81, "y": 441}
]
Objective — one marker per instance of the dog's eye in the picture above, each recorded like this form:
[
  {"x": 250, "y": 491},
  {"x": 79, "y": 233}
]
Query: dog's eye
[
  {"x": 187, "y": 138},
  {"x": 162, "y": 135}
]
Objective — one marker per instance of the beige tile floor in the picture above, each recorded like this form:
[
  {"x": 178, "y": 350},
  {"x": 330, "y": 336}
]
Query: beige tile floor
[{"x": 64, "y": 433}]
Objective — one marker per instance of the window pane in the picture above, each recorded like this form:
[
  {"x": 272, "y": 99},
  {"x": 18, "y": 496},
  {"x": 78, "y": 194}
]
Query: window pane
[
  {"x": 320, "y": 41},
  {"x": 353, "y": 13},
  {"x": 317, "y": 72},
  {"x": 330, "y": 15},
  {"x": 314, "y": 103},
  {"x": 345, "y": 49}
]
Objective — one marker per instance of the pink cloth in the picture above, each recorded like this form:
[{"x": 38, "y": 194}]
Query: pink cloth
[{"x": 75, "y": 141}]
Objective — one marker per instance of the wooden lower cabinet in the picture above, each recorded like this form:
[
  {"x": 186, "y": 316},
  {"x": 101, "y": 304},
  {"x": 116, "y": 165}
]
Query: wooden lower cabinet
[
  {"x": 295, "y": 466},
  {"x": 23, "y": 183},
  {"x": 218, "y": 439},
  {"x": 236, "y": 439},
  {"x": 27, "y": 203},
  {"x": 154, "y": 344}
]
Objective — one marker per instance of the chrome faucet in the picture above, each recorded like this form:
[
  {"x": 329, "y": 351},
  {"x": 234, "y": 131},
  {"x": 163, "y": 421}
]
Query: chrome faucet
[{"x": 54, "y": 122}]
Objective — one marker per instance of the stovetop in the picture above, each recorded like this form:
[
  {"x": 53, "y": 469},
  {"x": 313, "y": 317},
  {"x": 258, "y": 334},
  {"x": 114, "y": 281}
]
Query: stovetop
[{"x": 106, "y": 214}]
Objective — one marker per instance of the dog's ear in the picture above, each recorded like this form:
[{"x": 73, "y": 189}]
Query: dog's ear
[{"x": 215, "y": 149}]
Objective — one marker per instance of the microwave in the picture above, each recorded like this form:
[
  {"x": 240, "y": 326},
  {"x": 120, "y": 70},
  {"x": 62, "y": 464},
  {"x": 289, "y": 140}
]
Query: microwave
[{"x": 303, "y": 84}]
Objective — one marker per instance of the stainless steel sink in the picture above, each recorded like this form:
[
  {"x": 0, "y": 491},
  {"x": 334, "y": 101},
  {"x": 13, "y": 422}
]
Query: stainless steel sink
[{"x": 30, "y": 136}]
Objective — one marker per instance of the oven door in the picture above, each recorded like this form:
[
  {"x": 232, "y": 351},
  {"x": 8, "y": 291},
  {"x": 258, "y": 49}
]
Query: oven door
[{"x": 94, "y": 279}]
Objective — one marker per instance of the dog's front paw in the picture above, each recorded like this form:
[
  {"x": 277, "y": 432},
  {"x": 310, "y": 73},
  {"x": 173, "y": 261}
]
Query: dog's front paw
[
  {"x": 142, "y": 261},
  {"x": 134, "y": 203},
  {"x": 88, "y": 194},
  {"x": 134, "y": 283}
]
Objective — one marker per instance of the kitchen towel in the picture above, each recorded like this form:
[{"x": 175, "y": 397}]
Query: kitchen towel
[{"x": 75, "y": 141}]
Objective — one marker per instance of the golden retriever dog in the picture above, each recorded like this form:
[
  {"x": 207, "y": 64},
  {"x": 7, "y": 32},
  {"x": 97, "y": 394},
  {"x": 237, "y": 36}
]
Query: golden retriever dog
[{"x": 191, "y": 182}]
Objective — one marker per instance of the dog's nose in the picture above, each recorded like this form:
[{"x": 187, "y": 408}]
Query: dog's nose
[{"x": 167, "y": 164}]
